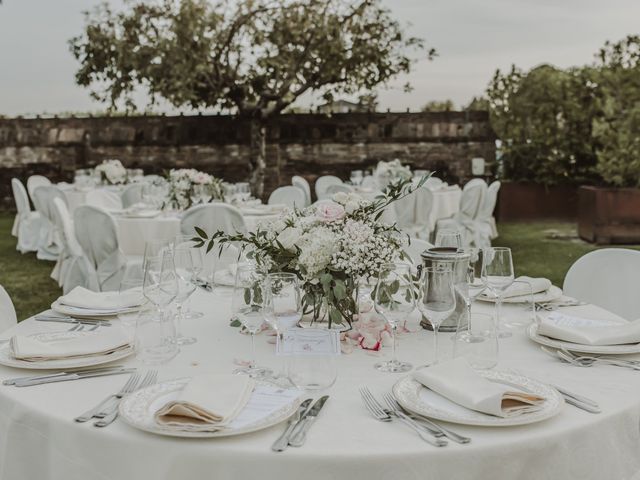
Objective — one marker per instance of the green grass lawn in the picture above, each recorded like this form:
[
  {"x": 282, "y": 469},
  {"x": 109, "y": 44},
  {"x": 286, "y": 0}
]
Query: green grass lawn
[{"x": 540, "y": 249}]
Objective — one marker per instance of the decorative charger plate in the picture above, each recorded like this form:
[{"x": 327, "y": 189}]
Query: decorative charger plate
[
  {"x": 630, "y": 348},
  {"x": 554, "y": 293},
  {"x": 138, "y": 410},
  {"x": 7, "y": 359},
  {"x": 414, "y": 397},
  {"x": 89, "y": 313}
]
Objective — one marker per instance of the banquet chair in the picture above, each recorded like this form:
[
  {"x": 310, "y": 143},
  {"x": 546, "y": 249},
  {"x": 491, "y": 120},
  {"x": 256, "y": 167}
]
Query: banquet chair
[
  {"x": 28, "y": 226},
  {"x": 339, "y": 188},
  {"x": 607, "y": 278},
  {"x": 212, "y": 217},
  {"x": 322, "y": 183},
  {"x": 8, "y": 317},
  {"x": 464, "y": 221},
  {"x": 35, "y": 181},
  {"x": 486, "y": 229},
  {"x": 292, "y": 197},
  {"x": 415, "y": 248},
  {"x": 301, "y": 182},
  {"x": 105, "y": 199},
  {"x": 414, "y": 213},
  {"x": 43, "y": 196},
  {"x": 97, "y": 235},
  {"x": 131, "y": 195},
  {"x": 434, "y": 183},
  {"x": 370, "y": 182}
]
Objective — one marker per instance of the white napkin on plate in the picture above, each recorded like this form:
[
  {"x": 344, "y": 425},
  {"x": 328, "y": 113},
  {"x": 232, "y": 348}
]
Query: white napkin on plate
[
  {"x": 80, "y": 297},
  {"x": 538, "y": 285},
  {"x": 86, "y": 344},
  {"x": 588, "y": 332},
  {"x": 458, "y": 382},
  {"x": 207, "y": 403}
]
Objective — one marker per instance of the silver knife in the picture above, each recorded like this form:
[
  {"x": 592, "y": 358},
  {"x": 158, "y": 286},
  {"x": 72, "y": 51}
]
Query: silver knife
[
  {"x": 577, "y": 397},
  {"x": 73, "y": 376},
  {"x": 583, "y": 406},
  {"x": 282, "y": 442},
  {"x": 299, "y": 434},
  {"x": 12, "y": 381},
  {"x": 73, "y": 320}
]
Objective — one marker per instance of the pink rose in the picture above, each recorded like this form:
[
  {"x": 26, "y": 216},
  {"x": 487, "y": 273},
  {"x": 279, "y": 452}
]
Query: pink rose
[{"x": 330, "y": 212}]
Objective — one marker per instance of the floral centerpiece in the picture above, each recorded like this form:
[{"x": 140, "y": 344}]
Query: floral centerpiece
[
  {"x": 188, "y": 186},
  {"x": 112, "y": 172},
  {"x": 391, "y": 172},
  {"x": 331, "y": 247}
]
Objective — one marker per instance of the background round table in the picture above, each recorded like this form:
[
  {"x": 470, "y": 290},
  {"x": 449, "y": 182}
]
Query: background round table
[{"x": 39, "y": 439}]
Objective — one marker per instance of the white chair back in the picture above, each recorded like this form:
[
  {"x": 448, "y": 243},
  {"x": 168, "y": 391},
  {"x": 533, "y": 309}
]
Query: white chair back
[
  {"x": 608, "y": 278},
  {"x": 35, "y": 181},
  {"x": 20, "y": 196},
  {"x": 471, "y": 199},
  {"x": 433, "y": 183},
  {"x": 489, "y": 204},
  {"x": 211, "y": 218},
  {"x": 8, "y": 317},
  {"x": 370, "y": 182},
  {"x": 322, "y": 183},
  {"x": 73, "y": 268},
  {"x": 301, "y": 182},
  {"x": 292, "y": 197},
  {"x": 131, "y": 195},
  {"x": 415, "y": 249},
  {"x": 43, "y": 197},
  {"x": 65, "y": 223},
  {"x": 105, "y": 199},
  {"x": 338, "y": 188},
  {"x": 28, "y": 226}
]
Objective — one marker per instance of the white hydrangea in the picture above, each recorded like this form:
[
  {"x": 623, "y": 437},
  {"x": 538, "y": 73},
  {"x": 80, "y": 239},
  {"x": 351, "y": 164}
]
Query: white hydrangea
[
  {"x": 317, "y": 247},
  {"x": 112, "y": 171}
]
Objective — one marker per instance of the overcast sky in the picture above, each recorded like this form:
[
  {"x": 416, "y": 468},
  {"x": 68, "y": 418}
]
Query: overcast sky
[{"x": 472, "y": 37}]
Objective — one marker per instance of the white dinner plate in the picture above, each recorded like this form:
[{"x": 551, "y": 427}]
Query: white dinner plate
[
  {"x": 138, "y": 410},
  {"x": 550, "y": 295},
  {"x": 629, "y": 348},
  {"x": 7, "y": 359},
  {"x": 89, "y": 313},
  {"x": 140, "y": 214},
  {"x": 414, "y": 397}
]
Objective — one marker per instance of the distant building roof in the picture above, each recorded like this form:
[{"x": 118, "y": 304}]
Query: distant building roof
[{"x": 342, "y": 106}]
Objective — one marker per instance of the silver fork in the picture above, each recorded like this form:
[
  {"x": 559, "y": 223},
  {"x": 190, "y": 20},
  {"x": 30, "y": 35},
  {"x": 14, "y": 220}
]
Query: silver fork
[
  {"x": 379, "y": 413},
  {"x": 98, "y": 409},
  {"x": 76, "y": 328},
  {"x": 438, "y": 429},
  {"x": 590, "y": 359},
  {"x": 149, "y": 379}
]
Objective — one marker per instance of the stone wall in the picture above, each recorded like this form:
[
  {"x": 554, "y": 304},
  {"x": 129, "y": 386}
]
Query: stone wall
[{"x": 305, "y": 144}]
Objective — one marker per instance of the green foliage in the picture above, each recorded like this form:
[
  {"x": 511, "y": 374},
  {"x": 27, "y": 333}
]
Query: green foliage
[{"x": 439, "y": 106}]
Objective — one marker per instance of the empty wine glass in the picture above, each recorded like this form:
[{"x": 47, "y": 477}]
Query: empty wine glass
[
  {"x": 394, "y": 301},
  {"x": 448, "y": 238},
  {"x": 497, "y": 275},
  {"x": 282, "y": 301},
  {"x": 246, "y": 306},
  {"x": 153, "y": 249},
  {"x": 197, "y": 257},
  {"x": 471, "y": 285},
  {"x": 436, "y": 299},
  {"x": 186, "y": 286}
]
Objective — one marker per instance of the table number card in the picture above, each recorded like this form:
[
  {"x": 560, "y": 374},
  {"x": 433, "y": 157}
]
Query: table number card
[{"x": 309, "y": 342}]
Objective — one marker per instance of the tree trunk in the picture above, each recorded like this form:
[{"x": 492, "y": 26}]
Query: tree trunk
[{"x": 258, "y": 161}]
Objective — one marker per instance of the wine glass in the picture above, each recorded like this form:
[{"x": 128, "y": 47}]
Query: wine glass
[
  {"x": 246, "y": 306},
  {"x": 497, "y": 275},
  {"x": 449, "y": 238},
  {"x": 186, "y": 286},
  {"x": 471, "y": 285},
  {"x": 436, "y": 299},
  {"x": 154, "y": 248},
  {"x": 197, "y": 256},
  {"x": 394, "y": 301},
  {"x": 160, "y": 285},
  {"x": 282, "y": 301}
]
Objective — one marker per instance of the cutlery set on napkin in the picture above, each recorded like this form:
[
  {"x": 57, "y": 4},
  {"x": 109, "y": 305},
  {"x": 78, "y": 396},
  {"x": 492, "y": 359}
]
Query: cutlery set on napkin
[{"x": 585, "y": 331}]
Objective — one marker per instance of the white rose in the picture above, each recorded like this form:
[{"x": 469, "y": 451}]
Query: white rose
[
  {"x": 289, "y": 237},
  {"x": 278, "y": 225},
  {"x": 351, "y": 207},
  {"x": 340, "y": 197}
]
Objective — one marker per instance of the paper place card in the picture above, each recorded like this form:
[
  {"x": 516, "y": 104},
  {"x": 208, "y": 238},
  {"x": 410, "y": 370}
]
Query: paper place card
[
  {"x": 309, "y": 342},
  {"x": 563, "y": 320},
  {"x": 264, "y": 401}
]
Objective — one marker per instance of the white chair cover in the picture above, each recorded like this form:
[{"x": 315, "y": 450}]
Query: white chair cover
[
  {"x": 105, "y": 199},
  {"x": 486, "y": 222},
  {"x": 322, "y": 183},
  {"x": 28, "y": 226},
  {"x": 464, "y": 221},
  {"x": 301, "y": 182},
  {"x": 414, "y": 212},
  {"x": 211, "y": 218},
  {"x": 43, "y": 199},
  {"x": 292, "y": 197},
  {"x": 97, "y": 235},
  {"x": 131, "y": 195},
  {"x": 35, "y": 181},
  {"x": 608, "y": 278},
  {"x": 415, "y": 248},
  {"x": 370, "y": 182},
  {"x": 434, "y": 183},
  {"x": 8, "y": 317},
  {"x": 337, "y": 188}
]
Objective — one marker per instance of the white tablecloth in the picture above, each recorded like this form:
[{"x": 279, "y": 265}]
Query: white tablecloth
[
  {"x": 39, "y": 440},
  {"x": 78, "y": 196},
  {"x": 446, "y": 203}
]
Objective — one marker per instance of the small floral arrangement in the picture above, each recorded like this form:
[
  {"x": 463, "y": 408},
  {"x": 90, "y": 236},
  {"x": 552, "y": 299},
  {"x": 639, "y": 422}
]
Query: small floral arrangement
[
  {"x": 331, "y": 247},
  {"x": 392, "y": 172},
  {"x": 112, "y": 172},
  {"x": 188, "y": 186}
]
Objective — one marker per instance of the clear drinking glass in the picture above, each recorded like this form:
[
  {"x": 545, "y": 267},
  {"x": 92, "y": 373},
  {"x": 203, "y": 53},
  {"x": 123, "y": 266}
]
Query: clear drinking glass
[
  {"x": 478, "y": 343},
  {"x": 471, "y": 286},
  {"x": 394, "y": 300},
  {"x": 128, "y": 284},
  {"x": 197, "y": 256},
  {"x": 312, "y": 359},
  {"x": 246, "y": 306},
  {"x": 520, "y": 310},
  {"x": 497, "y": 275},
  {"x": 160, "y": 285},
  {"x": 154, "y": 248},
  {"x": 155, "y": 337},
  {"x": 436, "y": 299},
  {"x": 282, "y": 301},
  {"x": 186, "y": 286},
  {"x": 449, "y": 238}
]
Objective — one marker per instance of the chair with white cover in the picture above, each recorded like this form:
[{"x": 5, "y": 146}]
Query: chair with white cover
[
  {"x": 35, "y": 181},
  {"x": 105, "y": 199},
  {"x": 212, "y": 217},
  {"x": 486, "y": 229},
  {"x": 322, "y": 183},
  {"x": 131, "y": 195},
  {"x": 414, "y": 213},
  {"x": 433, "y": 183},
  {"x": 28, "y": 226},
  {"x": 301, "y": 182},
  {"x": 339, "y": 188},
  {"x": 607, "y": 278},
  {"x": 464, "y": 221},
  {"x": 292, "y": 197},
  {"x": 415, "y": 248},
  {"x": 370, "y": 182},
  {"x": 8, "y": 317},
  {"x": 97, "y": 235},
  {"x": 50, "y": 246}
]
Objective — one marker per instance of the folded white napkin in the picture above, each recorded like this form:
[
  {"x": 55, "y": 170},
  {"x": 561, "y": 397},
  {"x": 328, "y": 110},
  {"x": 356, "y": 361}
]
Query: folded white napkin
[
  {"x": 207, "y": 403},
  {"x": 80, "y": 297},
  {"x": 101, "y": 342},
  {"x": 588, "y": 332},
  {"x": 518, "y": 289},
  {"x": 458, "y": 382}
]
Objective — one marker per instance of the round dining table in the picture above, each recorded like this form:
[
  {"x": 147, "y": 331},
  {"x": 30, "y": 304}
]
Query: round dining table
[{"x": 39, "y": 439}]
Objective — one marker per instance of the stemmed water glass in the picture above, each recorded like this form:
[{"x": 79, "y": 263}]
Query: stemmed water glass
[
  {"x": 160, "y": 285},
  {"x": 436, "y": 299},
  {"x": 246, "y": 306},
  {"x": 197, "y": 257},
  {"x": 186, "y": 286},
  {"x": 449, "y": 238},
  {"x": 471, "y": 285},
  {"x": 394, "y": 300},
  {"x": 282, "y": 301},
  {"x": 497, "y": 275}
]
